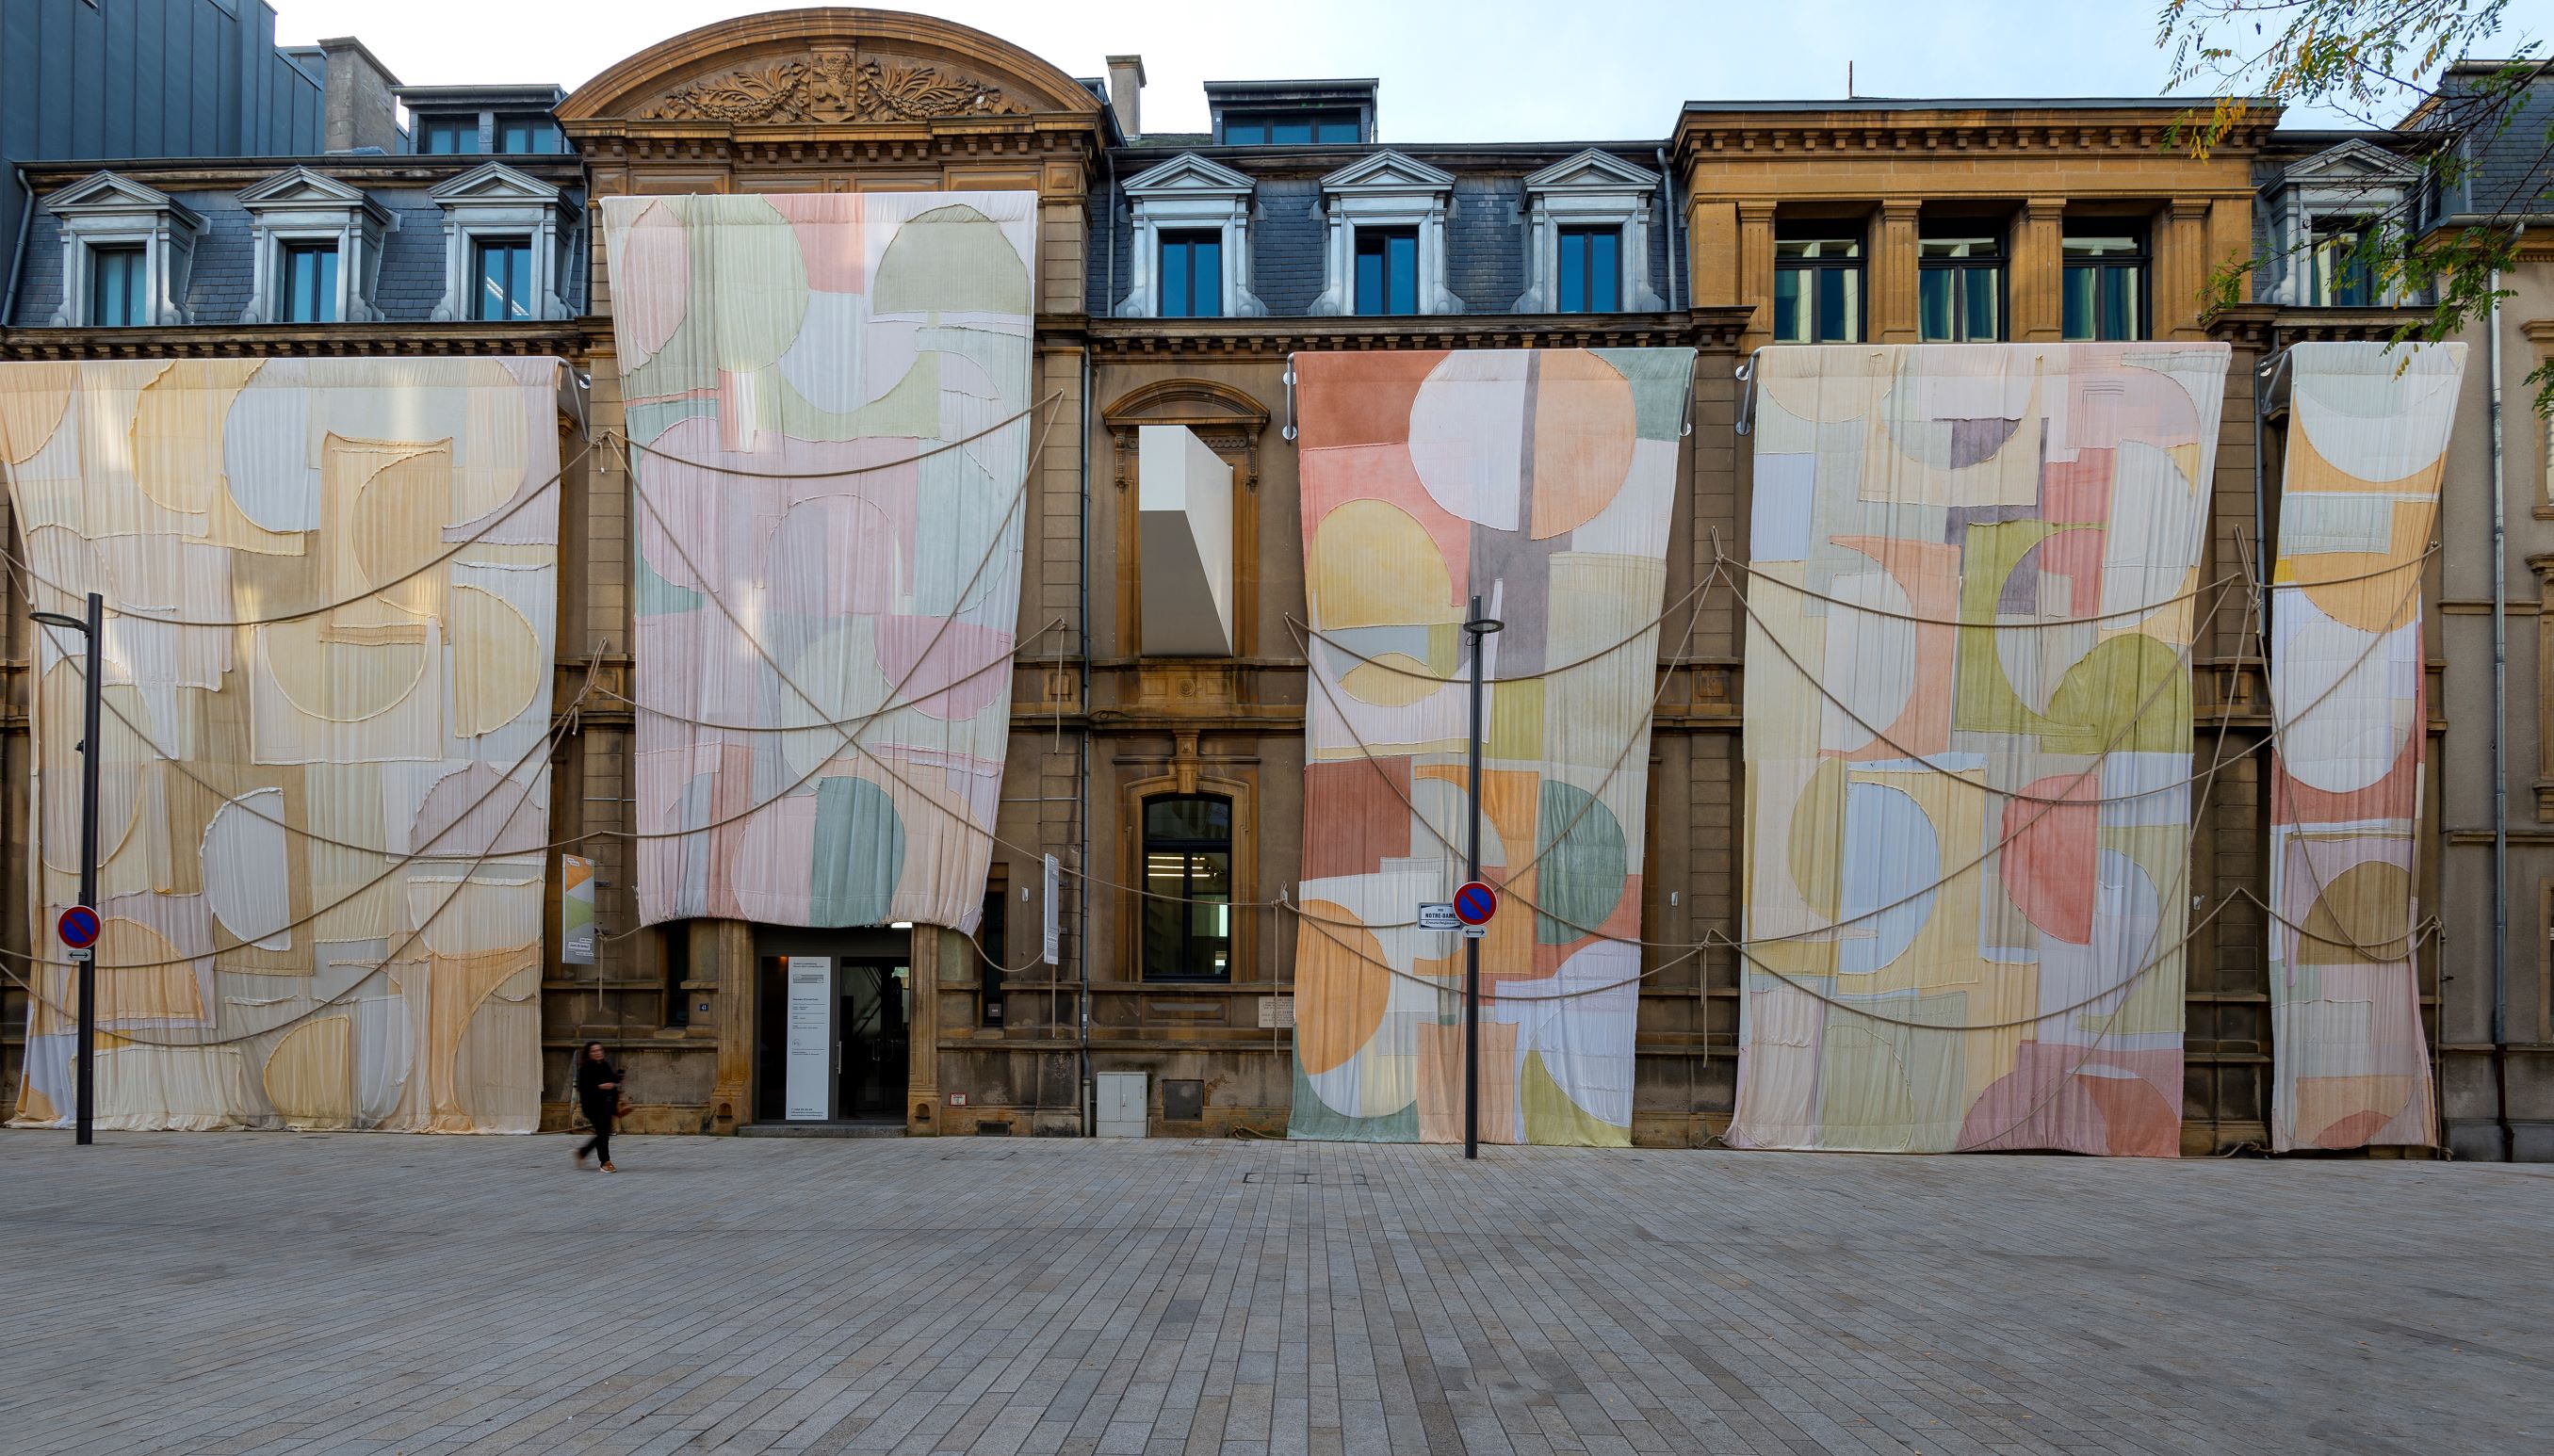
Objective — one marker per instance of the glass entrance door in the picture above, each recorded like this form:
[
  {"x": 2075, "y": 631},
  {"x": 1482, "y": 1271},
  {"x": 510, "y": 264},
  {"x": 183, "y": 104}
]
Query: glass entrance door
[{"x": 876, "y": 1008}]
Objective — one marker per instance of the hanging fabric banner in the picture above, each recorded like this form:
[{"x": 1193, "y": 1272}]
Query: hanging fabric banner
[
  {"x": 828, "y": 401},
  {"x": 2359, "y": 497},
  {"x": 1968, "y": 744},
  {"x": 1540, "y": 482},
  {"x": 332, "y": 588}
]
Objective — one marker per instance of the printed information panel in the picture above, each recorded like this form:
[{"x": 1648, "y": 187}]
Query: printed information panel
[{"x": 810, "y": 1092}]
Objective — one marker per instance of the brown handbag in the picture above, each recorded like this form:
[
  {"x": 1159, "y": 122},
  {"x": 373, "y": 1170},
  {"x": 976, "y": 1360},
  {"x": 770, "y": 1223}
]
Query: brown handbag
[{"x": 621, "y": 1106}]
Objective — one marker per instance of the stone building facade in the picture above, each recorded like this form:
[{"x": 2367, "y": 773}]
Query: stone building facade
[{"x": 1744, "y": 225}]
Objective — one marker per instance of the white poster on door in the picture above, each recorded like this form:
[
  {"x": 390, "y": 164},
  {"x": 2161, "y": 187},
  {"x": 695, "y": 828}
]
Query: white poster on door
[{"x": 810, "y": 1091}]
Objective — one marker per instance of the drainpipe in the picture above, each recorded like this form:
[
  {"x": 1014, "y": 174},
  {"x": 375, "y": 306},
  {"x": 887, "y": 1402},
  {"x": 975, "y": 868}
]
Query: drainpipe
[
  {"x": 1675, "y": 254},
  {"x": 18, "y": 254},
  {"x": 2499, "y": 748},
  {"x": 1082, "y": 771},
  {"x": 1107, "y": 310}
]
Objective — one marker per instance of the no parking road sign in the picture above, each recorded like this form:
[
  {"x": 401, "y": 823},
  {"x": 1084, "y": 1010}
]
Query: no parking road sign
[
  {"x": 79, "y": 929},
  {"x": 1474, "y": 904}
]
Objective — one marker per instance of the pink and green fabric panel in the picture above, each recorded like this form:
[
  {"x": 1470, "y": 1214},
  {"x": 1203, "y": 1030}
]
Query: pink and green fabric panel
[
  {"x": 1540, "y": 480},
  {"x": 828, "y": 403},
  {"x": 1968, "y": 744},
  {"x": 2359, "y": 498},
  {"x": 333, "y": 590}
]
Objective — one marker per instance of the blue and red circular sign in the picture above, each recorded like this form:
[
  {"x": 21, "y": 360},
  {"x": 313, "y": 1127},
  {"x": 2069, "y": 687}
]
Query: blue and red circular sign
[
  {"x": 1476, "y": 903},
  {"x": 78, "y": 927}
]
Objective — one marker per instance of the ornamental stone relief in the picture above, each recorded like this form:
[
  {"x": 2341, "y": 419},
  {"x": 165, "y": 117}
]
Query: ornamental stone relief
[{"x": 833, "y": 87}]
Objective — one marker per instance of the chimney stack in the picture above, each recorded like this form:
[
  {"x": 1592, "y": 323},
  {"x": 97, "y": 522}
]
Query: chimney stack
[
  {"x": 356, "y": 107},
  {"x": 1126, "y": 93}
]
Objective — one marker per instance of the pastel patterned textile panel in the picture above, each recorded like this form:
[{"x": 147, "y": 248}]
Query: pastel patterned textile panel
[
  {"x": 2367, "y": 441},
  {"x": 324, "y": 793},
  {"x": 1968, "y": 744},
  {"x": 829, "y": 399},
  {"x": 1540, "y": 480}
]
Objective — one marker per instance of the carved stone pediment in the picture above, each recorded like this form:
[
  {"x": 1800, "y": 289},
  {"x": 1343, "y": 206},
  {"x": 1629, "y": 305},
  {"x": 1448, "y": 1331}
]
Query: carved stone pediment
[{"x": 831, "y": 85}]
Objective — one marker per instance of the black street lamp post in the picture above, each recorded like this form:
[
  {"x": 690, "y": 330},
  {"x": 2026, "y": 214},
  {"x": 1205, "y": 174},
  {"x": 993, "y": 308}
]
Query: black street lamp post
[
  {"x": 1478, "y": 628},
  {"x": 94, "y": 629}
]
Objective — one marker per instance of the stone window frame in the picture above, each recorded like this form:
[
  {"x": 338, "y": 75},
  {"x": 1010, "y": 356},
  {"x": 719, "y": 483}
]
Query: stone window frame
[
  {"x": 105, "y": 210},
  {"x": 494, "y": 201},
  {"x": 1593, "y": 188},
  {"x": 1385, "y": 191},
  {"x": 1188, "y": 194},
  {"x": 2345, "y": 182},
  {"x": 1189, "y": 772},
  {"x": 1230, "y": 422},
  {"x": 298, "y": 206}
]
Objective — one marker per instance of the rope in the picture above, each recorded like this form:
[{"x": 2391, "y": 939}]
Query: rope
[
  {"x": 316, "y": 1008},
  {"x": 836, "y": 473},
  {"x": 1300, "y": 627},
  {"x": 144, "y": 614},
  {"x": 851, "y": 740}
]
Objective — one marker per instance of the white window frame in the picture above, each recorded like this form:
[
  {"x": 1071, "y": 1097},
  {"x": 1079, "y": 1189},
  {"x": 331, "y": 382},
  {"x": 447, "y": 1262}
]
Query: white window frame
[
  {"x": 1385, "y": 191},
  {"x": 104, "y": 210},
  {"x": 2342, "y": 184},
  {"x": 1591, "y": 189},
  {"x": 1190, "y": 193},
  {"x": 299, "y": 208},
  {"x": 494, "y": 201}
]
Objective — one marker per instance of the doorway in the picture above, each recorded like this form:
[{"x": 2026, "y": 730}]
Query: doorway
[
  {"x": 833, "y": 1012},
  {"x": 875, "y": 1007}
]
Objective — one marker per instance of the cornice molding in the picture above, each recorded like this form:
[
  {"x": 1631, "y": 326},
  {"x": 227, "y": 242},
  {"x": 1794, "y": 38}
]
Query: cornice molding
[
  {"x": 275, "y": 341},
  {"x": 1275, "y": 338},
  {"x": 2023, "y": 133},
  {"x": 818, "y": 147}
]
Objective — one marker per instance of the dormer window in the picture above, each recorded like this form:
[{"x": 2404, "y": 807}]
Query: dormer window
[
  {"x": 118, "y": 289},
  {"x": 2321, "y": 212},
  {"x": 126, "y": 252},
  {"x": 318, "y": 250},
  {"x": 503, "y": 259},
  {"x": 479, "y": 121},
  {"x": 1191, "y": 253},
  {"x": 447, "y": 136},
  {"x": 1587, "y": 237},
  {"x": 1385, "y": 252},
  {"x": 1291, "y": 113},
  {"x": 1289, "y": 129}
]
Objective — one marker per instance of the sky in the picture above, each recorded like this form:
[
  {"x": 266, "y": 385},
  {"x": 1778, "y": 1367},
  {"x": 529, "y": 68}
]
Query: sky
[{"x": 1452, "y": 70}]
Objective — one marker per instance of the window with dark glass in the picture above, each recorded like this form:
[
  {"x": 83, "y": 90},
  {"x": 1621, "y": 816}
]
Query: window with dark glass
[
  {"x": 1387, "y": 271},
  {"x": 678, "y": 969},
  {"x": 1188, "y": 874},
  {"x": 1289, "y": 129},
  {"x": 118, "y": 295},
  {"x": 993, "y": 952},
  {"x": 1817, "y": 282},
  {"x": 2106, "y": 282},
  {"x": 1193, "y": 275},
  {"x": 446, "y": 135},
  {"x": 503, "y": 274},
  {"x": 2340, "y": 265},
  {"x": 311, "y": 283},
  {"x": 523, "y": 134},
  {"x": 1591, "y": 270},
  {"x": 1959, "y": 283}
]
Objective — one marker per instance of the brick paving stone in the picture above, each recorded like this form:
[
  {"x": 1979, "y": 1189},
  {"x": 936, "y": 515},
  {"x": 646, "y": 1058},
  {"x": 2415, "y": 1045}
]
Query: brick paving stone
[{"x": 264, "y": 1294}]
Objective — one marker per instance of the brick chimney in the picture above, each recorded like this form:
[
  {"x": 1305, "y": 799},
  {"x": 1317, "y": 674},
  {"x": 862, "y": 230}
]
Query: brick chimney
[
  {"x": 1126, "y": 93},
  {"x": 357, "y": 109}
]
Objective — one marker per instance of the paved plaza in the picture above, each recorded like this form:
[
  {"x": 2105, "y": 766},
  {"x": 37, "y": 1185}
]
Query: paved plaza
[{"x": 271, "y": 1292}]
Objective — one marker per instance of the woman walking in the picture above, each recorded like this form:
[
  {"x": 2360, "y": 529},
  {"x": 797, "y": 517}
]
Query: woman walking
[{"x": 598, "y": 1092}]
